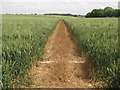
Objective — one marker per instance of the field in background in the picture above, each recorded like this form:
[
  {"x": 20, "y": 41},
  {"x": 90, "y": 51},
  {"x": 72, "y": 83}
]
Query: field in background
[
  {"x": 99, "y": 38},
  {"x": 24, "y": 38}
]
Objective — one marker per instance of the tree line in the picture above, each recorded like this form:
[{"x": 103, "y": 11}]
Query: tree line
[
  {"x": 68, "y": 14},
  {"x": 106, "y": 12}
]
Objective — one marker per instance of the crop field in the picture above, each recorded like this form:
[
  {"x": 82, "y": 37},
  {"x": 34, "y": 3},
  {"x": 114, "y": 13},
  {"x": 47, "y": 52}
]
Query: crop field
[
  {"x": 99, "y": 38},
  {"x": 24, "y": 38}
]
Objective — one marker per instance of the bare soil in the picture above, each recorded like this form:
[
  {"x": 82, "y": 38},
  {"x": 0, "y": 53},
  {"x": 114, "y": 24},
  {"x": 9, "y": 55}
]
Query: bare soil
[{"x": 63, "y": 66}]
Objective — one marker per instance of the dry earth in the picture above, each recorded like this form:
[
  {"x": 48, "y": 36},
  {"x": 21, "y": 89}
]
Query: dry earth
[{"x": 63, "y": 66}]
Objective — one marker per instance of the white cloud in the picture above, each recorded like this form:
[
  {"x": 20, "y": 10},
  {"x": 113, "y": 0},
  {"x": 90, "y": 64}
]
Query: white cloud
[
  {"x": 60, "y": 0},
  {"x": 54, "y": 6}
]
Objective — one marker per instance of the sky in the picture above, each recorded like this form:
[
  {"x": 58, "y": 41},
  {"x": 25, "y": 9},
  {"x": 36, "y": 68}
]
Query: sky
[{"x": 81, "y": 7}]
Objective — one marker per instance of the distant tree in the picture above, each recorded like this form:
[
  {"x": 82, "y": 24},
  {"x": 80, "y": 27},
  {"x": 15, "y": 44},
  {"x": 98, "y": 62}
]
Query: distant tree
[
  {"x": 88, "y": 14},
  {"x": 75, "y": 15},
  {"x": 35, "y": 13},
  {"x": 106, "y": 12},
  {"x": 68, "y": 14},
  {"x": 117, "y": 12},
  {"x": 109, "y": 12},
  {"x": 97, "y": 13}
]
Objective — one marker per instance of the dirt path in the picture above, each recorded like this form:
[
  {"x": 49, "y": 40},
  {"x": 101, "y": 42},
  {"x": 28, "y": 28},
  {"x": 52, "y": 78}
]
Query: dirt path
[{"x": 63, "y": 67}]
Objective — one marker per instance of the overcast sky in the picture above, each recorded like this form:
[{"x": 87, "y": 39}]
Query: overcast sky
[{"x": 54, "y": 6}]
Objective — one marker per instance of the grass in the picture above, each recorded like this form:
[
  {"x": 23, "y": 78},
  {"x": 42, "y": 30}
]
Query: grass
[
  {"x": 24, "y": 38},
  {"x": 99, "y": 38}
]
